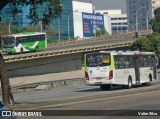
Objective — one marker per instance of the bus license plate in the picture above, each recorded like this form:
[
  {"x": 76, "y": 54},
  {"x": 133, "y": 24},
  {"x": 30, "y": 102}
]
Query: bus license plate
[
  {"x": 98, "y": 82},
  {"x": 98, "y": 78}
]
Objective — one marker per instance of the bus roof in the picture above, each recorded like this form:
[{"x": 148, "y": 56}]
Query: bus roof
[
  {"x": 24, "y": 34},
  {"x": 126, "y": 53}
]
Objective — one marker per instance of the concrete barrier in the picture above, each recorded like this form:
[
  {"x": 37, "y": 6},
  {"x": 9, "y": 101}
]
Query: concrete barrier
[
  {"x": 104, "y": 37},
  {"x": 54, "y": 61}
]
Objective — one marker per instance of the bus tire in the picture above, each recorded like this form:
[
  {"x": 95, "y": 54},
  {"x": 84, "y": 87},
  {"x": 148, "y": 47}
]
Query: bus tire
[
  {"x": 37, "y": 49},
  {"x": 105, "y": 87},
  {"x": 148, "y": 83},
  {"x": 129, "y": 86},
  {"x": 21, "y": 51}
]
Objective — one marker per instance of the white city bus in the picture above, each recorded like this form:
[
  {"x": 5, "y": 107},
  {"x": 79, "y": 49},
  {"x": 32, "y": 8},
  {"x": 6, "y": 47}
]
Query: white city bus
[{"x": 107, "y": 68}]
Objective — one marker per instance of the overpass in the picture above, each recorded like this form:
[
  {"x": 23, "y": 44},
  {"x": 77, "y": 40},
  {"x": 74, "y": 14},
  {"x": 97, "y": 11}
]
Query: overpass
[{"x": 68, "y": 57}]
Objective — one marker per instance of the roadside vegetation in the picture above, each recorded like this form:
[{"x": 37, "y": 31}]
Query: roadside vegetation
[{"x": 152, "y": 41}]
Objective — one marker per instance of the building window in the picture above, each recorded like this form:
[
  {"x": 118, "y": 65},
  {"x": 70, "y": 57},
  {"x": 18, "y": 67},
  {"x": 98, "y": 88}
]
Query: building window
[
  {"x": 124, "y": 23},
  {"x": 143, "y": 19}
]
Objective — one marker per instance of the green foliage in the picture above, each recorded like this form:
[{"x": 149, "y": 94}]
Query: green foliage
[
  {"x": 3, "y": 29},
  {"x": 101, "y": 32},
  {"x": 29, "y": 28},
  {"x": 150, "y": 43},
  {"x": 157, "y": 14},
  {"x": 155, "y": 25},
  {"x": 54, "y": 9},
  {"x": 141, "y": 44},
  {"x": 155, "y": 22}
]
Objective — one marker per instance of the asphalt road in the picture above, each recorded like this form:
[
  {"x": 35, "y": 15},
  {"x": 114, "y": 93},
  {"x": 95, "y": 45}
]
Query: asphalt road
[
  {"x": 137, "y": 101},
  {"x": 71, "y": 91},
  {"x": 140, "y": 101}
]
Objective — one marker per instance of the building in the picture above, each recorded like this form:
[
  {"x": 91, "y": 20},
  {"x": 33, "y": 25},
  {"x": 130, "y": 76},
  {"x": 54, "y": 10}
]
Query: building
[
  {"x": 71, "y": 24},
  {"x": 118, "y": 20},
  {"x": 139, "y": 12},
  {"x": 155, "y": 4},
  {"x": 85, "y": 22},
  {"x": 6, "y": 16},
  {"x": 21, "y": 19}
]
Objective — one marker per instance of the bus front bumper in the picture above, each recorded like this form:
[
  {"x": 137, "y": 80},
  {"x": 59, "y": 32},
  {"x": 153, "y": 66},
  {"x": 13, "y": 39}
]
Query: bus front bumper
[
  {"x": 97, "y": 83},
  {"x": 9, "y": 51}
]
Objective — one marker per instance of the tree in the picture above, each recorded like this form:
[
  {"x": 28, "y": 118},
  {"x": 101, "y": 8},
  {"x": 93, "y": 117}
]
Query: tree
[
  {"x": 3, "y": 30},
  {"x": 100, "y": 32},
  {"x": 141, "y": 44},
  {"x": 154, "y": 38},
  {"x": 155, "y": 22},
  {"x": 7, "y": 95},
  {"x": 150, "y": 43},
  {"x": 54, "y": 9}
]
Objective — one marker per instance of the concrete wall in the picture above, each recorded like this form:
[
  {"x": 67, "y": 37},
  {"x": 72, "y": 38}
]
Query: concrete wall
[
  {"x": 78, "y": 8},
  {"x": 107, "y": 24},
  {"x": 78, "y": 26},
  {"x": 48, "y": 65},
  {"x": 45, "y": 65}
]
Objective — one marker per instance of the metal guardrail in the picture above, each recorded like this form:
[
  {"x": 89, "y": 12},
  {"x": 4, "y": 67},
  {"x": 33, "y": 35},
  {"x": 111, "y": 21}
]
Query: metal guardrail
[
  {"x": 104, "y": 37},
  {"x": 63, "y": 52}
]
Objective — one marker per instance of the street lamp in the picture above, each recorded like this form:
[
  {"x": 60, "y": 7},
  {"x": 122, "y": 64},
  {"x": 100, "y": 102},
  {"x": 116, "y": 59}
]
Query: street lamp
[
  {"x": 41, "y": 28},
  {"x": 137, "y": 21},
  {"x": 9, "y": 27},
  {"x": 147, "y": 16},
  {"x": 59, "y": 29},
  {"x": 68, "y": 23},
  {"x": 137, "y": 17}
]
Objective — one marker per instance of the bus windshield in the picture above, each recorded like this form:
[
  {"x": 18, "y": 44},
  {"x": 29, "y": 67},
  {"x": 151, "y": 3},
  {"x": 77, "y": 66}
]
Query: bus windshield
[
  {"x": 8, "y": 42},
  {"x": 94, "y": 60}
]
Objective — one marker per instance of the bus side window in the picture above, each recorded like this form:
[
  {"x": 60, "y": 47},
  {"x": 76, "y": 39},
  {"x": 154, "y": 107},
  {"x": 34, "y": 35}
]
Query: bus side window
[
  {"x": 30, "y": 38},
  {"x": 141, "y": 61},
  {"x": 118, "y": 62},
  {"x": 37, "y": 38},
  {"x": 131, "y": 64},
  {"x": 20, "y": 40},
  {"x": 43, "y": 37}
]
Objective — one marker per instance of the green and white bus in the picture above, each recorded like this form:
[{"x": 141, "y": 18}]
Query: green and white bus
[
  {"x": 23, "y": 42},
  {"x": 107, "y": 68}
]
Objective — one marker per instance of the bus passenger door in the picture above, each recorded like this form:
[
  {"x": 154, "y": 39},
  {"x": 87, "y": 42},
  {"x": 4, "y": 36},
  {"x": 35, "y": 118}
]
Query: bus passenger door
[
  {"x": 137, "y": 70},
  {"x": 154, "y": 64}
]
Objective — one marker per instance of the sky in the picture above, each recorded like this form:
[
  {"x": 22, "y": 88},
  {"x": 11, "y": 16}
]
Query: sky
[{"x": 109, "y": 4}]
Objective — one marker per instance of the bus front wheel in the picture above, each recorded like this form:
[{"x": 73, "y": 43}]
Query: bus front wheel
[
  {"x": 129, "y": 86},
  {"x": 37, "y": 49},
  {"x": 21, "y": 51},
  {"x": 148, "y": 83}
]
